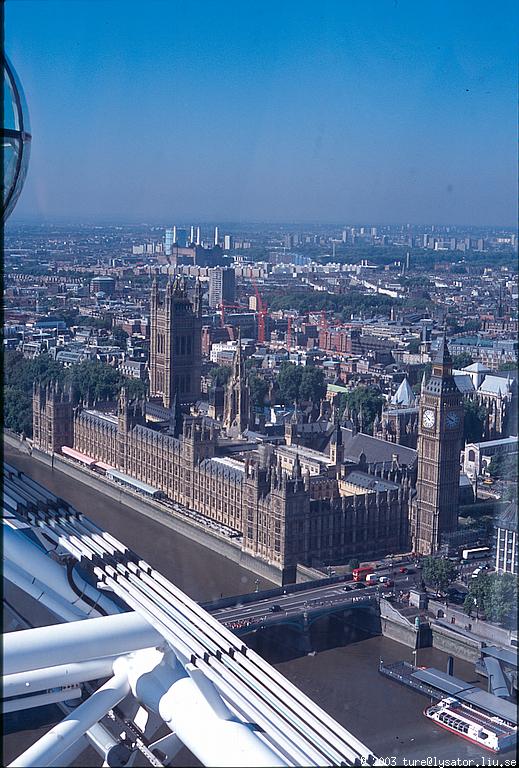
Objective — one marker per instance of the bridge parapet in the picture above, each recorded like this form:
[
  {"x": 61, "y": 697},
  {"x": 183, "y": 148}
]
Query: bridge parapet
[{"x": 253, "y": 597}]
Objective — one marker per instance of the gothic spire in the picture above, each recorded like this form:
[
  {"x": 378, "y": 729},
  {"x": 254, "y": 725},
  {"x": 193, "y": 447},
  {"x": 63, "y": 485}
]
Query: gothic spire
[
  {"x": 443, "y": 356},
  {"x": 296, "y": 472},
  {"x": 422, "y": 387}
]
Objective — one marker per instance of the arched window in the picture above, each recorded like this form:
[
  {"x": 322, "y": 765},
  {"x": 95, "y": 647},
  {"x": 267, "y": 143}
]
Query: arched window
[{"x": 472, "y": 455}]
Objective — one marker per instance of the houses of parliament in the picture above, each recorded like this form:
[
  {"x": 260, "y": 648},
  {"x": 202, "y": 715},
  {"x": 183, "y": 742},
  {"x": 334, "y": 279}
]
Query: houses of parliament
[{"x": 324, "y": 495}]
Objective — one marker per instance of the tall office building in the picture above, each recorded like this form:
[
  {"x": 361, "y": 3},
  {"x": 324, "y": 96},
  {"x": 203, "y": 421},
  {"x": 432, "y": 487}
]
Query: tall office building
[
  {"x": 216, "y": 236},
  {"x": 227, "y": 242},
  {"x": 198, "y": 237},
  {"x": 168, "y": 242},
  {"x": 440, "y": 433},
  {"x": 222, "y": 286},
  {"x": 175, "y": 343}
]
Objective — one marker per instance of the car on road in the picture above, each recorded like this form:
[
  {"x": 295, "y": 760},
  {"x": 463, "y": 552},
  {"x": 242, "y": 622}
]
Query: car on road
[
  {"x": 386, "y": 581},
  {"x": 403, "y": 569},
  {"x": 456, "y": 595},
  {"x": 275, "y": 608},
  {"x": 360, "y": 585},
  {"x": 347, "y": 589}
]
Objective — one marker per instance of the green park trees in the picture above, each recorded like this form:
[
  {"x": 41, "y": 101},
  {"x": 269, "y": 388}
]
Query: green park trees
[
  {"x": 91, "y": 380},
  {"x": 474, "y": 420},
  {"x": 298, "y": 383},
  {"x": 365, "y": 401},
  {"x": 494, "y": 596},
  {"x": 438, "y": 572},
  {"x": 462, "y": 361},
  {"x": 258, "y": 390},
  {"x": 220, "y": 375}
]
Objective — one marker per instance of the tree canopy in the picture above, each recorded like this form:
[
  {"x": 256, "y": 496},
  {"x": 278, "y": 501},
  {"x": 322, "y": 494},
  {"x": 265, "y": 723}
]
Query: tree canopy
[
  {"x": 91, "y": 381},
  {"x": 474, "y": 420},
  {"x": 220, "y": 375},
  {"x": 346, "y": 304},
  {"x": 367, "y": 400},
  {"x": 300, "y": 383},
  {"x": 462, "y": 361},
  {"x": 258, "y": 390},
  {"x": 495, "y": 596},
  {"x": 438, "y": 572}
]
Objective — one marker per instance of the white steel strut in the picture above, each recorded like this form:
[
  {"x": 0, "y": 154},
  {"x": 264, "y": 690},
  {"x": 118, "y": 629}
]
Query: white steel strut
[{"x": 201, "y": 677}]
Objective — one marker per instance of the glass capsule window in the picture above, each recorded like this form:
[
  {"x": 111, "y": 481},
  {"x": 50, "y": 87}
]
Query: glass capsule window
[{"x": 16, "y": 139}]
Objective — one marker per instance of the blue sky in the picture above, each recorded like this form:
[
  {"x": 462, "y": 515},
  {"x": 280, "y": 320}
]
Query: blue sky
[{"x": 349, "y": 111}]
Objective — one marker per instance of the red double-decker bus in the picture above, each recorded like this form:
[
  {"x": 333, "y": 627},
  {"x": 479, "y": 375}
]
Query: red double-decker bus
[{"x": 359, "y": 574}]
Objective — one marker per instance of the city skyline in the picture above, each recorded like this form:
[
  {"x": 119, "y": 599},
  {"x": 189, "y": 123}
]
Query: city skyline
[{"x": 382, "y": 113}]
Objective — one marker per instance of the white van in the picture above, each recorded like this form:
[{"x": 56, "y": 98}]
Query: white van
[{"x": 371, "y": 578}]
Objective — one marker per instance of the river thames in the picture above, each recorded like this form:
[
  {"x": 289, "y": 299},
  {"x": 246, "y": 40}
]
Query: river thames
[{"x": 343, "y": 680}]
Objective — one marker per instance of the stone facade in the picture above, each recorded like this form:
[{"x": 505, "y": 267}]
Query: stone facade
[
  {"x": 175, "y": 343},
  {"x": 52, "y": 417},
  {"x": 274, "y": 510},
  {"x": 236, "y": 404},
  {"x": 439, "y": 447},
  {"x": 291, "y": 504}
]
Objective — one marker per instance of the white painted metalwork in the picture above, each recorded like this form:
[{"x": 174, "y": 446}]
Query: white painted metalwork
[
  {"x": 40, "y": 700},
  {"x": 219, "y": 698},
  {"x": 47, "y": 749},
  {"x": 107, "y": 636},
  {"x": 21, "y": 683}
]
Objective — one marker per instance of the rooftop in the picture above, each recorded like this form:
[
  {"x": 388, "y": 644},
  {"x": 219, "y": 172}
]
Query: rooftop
[{"x": 370, "y": 483}]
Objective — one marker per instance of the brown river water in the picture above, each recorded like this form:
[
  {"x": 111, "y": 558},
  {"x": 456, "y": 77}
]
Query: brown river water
[{"x": 343, "y": 680}]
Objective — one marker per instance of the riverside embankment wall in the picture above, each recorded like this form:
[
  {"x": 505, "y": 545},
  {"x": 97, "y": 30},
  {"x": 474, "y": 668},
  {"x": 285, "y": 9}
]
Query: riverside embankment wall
[{"x": 228, "y": 548}]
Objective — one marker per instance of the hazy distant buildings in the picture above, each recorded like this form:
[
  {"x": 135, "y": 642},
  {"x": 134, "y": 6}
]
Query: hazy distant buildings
[
  {"x": 222, "y": 286},
  {"x": 103, "y": 284},
  {"x": 181, "y": 239}
]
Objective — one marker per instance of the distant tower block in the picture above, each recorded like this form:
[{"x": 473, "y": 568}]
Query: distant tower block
[
  {"x": 198, "y": 236},
  {"x": 216, "y": 236},
  {"x": 168, "y": 242},
  {"x": 192, "y": 234}
]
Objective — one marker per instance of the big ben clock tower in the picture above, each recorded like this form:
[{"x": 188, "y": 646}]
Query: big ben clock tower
[{"x": 439, "y": 445}]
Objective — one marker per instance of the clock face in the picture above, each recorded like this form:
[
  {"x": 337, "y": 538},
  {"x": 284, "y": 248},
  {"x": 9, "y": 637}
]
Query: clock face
[
  {"x": 428, "y": 419},
  {"x": 452, "y": 420}
]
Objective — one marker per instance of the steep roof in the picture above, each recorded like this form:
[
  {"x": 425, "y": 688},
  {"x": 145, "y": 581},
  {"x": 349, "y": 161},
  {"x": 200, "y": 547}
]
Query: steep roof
[
  {"x": 443, "y": 355},
  {"x": 404, "y": 395},
  {"x": 495, "y": 385},
  {"x": 463, "y": 382},
  {"x": 477, "y": 368},
  {"x": 375, "y": 450}
]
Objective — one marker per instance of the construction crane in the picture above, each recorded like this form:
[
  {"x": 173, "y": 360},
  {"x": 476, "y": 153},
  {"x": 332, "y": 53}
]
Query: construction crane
[{"x": 262, "y": 313}]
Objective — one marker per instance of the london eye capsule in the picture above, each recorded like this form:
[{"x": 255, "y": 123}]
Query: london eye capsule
[{"x": 16, "y": 139}]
